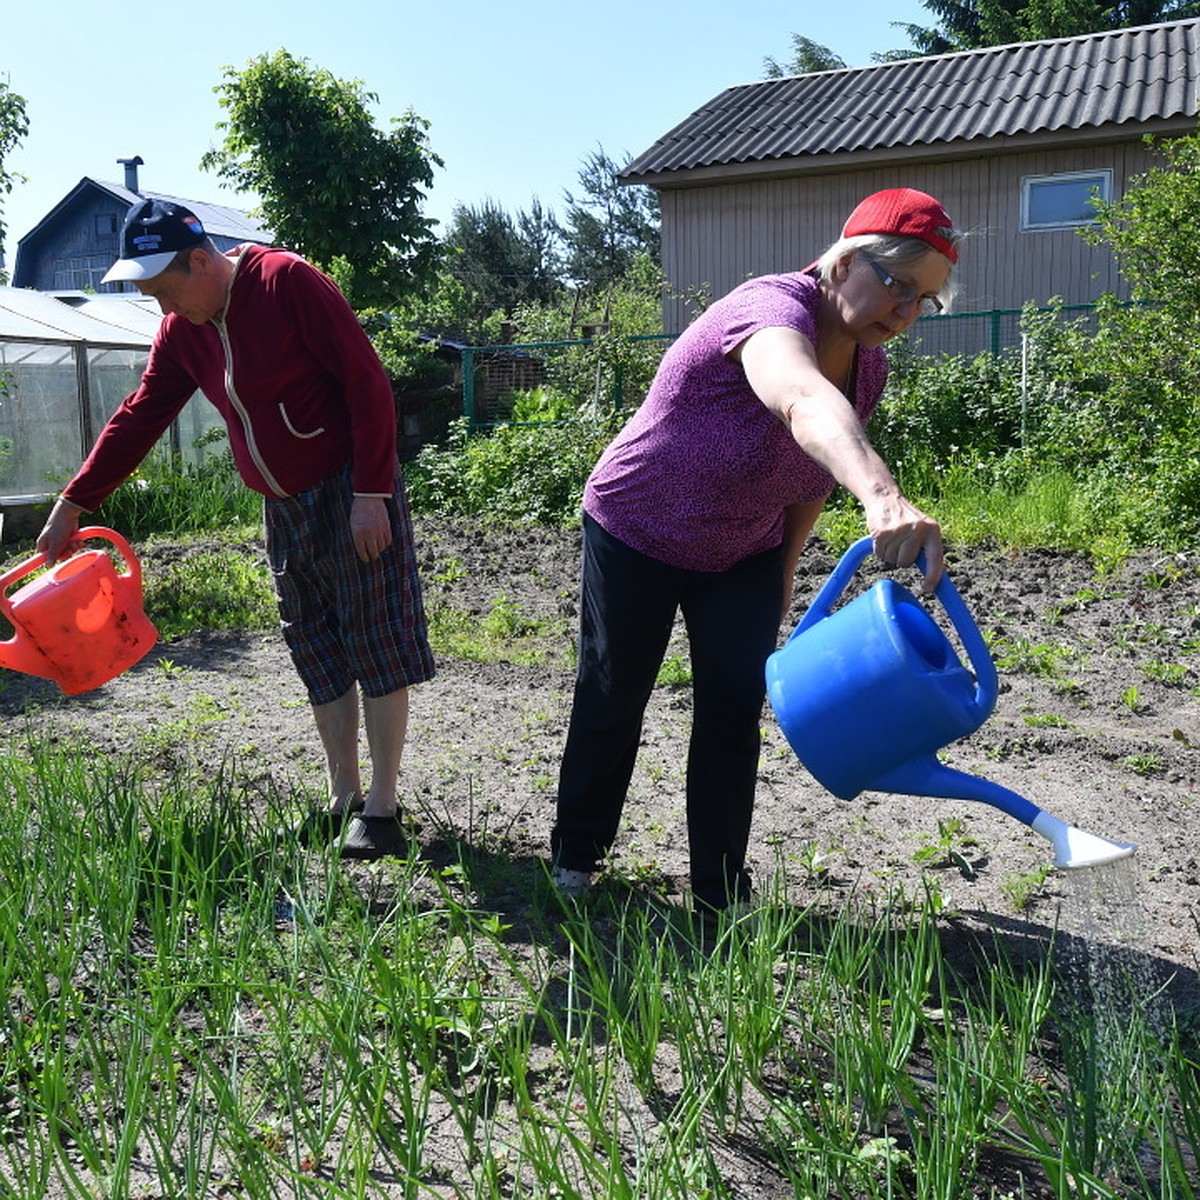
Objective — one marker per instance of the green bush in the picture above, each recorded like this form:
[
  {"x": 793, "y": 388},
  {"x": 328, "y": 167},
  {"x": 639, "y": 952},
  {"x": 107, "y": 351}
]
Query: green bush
[
  {"x": 521, "y": 473},
  {"x": 164, "y": 497}
]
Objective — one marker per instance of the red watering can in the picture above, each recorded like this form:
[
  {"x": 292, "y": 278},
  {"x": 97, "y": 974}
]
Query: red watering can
[
  {"x": 867, "y": 695},
  {"x": 81, "y": 623}
]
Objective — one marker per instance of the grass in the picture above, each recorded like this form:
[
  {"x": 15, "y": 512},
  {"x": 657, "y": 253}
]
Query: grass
[
  {"x": 505, "y": 633},
  {"x": 197, "y": 1006}
]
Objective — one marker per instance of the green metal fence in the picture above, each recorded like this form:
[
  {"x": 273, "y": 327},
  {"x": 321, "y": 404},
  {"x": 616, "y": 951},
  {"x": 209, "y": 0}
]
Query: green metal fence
[
  {"x": 504, "y": 384},
  {"x": 979, "y": 332},
  {"x": 531, "y": 382}
]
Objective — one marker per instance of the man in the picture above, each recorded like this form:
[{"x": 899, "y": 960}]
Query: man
[{"x": 274, "y": 345}]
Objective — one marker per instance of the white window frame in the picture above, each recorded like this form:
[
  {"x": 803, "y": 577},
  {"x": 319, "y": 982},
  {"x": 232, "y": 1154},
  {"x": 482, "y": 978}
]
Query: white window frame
[{"x": 1102, "y": 178}]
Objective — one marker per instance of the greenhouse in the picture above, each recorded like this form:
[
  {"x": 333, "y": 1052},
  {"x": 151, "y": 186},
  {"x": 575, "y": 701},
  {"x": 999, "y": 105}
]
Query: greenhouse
[{"x": 67, "y": 360}]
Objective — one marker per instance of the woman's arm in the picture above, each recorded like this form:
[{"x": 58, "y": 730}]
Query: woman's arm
[
  {"x": 798, "y": 522},
  {"x": 781, "y": 366}
]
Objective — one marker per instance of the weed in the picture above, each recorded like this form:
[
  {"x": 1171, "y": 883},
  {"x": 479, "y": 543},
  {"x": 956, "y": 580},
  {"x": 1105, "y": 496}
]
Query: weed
[
  {"x": 813, "y": 860},
  {"x": 1145, "y": 764},
  {"x": 1173, "y": 674},
  {"x": 1024, "y": 888},
  {"x": 953, "y": 846},
  {"x": 1047, "y": 721},
  {"x": 506, "y": 620},
  {"x": 212, "y": 589},
  {"x": 676, "y": 671},
  {"x": 1024, "y": 657},
  {"x": 504, "y": 634}
]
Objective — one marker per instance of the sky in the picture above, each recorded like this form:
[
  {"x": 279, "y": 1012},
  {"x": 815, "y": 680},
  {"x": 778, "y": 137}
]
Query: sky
[{"x": 516, "y": 96}]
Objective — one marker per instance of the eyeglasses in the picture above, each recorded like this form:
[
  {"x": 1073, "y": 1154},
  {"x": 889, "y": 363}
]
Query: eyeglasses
[{"x": 905, "y": 293}]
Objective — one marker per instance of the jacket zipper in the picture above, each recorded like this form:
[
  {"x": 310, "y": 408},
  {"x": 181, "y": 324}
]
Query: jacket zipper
[{"x": 240, "y": 409}]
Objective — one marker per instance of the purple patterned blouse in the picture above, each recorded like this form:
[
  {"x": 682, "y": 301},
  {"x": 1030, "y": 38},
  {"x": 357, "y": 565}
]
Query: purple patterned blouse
[{"x": 701, "y": 474}]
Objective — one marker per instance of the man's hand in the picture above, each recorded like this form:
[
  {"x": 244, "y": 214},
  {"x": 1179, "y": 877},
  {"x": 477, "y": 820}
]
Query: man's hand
[
  {"x": 370, "y": 527},
  {"x": 59, "y": 531}
]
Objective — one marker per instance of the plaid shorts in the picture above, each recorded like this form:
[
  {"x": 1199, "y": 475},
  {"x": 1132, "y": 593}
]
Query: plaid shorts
[{"x": 346, "y": 621}]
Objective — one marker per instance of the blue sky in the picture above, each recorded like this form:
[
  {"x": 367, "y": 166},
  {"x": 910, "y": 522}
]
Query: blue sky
[{"x": 516, "y": 96}]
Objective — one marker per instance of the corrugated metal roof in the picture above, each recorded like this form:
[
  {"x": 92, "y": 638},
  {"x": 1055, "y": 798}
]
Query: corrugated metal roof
[
  {"x": 218, "y": 219},
  {"x": 1111, "y": 78},
  {"x": 27, "y": 314}
]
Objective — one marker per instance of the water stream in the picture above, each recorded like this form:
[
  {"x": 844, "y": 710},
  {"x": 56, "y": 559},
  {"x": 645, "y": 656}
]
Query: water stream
[{"x": 1114, "y": 1008}]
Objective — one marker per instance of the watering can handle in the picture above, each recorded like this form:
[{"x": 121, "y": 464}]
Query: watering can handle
[
  {"x": 13, "y": 574},
  {"x": 987, "y": 685}
]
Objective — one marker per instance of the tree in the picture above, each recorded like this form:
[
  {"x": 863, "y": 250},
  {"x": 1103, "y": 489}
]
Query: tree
[
  {"x": 14, "y": 125},
  {"x": 608, "y": 225},
  {"x": 970, "y": 24},
  {"x": 807, "y": 56},
  {"x": 503, "y": 261},
  {"x": 333, "y": 187}
]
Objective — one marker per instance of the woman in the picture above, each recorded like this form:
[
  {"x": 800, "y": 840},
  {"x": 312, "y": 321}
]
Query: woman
[{"x": 703, "y": 503}]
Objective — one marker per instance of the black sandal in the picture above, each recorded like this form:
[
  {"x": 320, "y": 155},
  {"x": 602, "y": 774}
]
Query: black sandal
[
  {"x": 369, "y": 838},
  {"x": 323, "y": 825}
]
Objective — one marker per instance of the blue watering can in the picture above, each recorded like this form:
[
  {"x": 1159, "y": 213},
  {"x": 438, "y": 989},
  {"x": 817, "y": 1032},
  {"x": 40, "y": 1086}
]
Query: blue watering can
[{"x": 867, "y": 696}]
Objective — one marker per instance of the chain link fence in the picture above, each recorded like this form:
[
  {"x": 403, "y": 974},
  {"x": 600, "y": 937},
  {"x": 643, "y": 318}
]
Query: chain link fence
[{"x": 532, "y": 382}]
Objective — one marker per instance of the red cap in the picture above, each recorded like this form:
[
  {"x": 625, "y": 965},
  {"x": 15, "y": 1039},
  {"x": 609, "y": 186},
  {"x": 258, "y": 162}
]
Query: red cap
[{"x": 903, "y": 212}]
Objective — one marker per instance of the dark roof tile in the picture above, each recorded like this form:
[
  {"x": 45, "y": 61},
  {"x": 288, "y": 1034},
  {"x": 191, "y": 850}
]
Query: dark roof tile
[{"x": 1109, "y": 78}]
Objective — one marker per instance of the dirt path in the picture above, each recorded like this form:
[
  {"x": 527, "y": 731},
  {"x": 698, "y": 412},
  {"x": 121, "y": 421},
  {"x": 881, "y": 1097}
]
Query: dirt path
[{"x": 1098, "y": 721}]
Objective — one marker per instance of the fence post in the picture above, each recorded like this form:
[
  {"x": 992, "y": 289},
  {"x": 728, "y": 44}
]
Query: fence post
[
  {"x": 468, "y": 384},
  {"x": 1024, "y": 385}
]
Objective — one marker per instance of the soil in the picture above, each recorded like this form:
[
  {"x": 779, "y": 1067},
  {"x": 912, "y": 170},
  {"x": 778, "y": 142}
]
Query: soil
[{"x": 1097, "y": 722}]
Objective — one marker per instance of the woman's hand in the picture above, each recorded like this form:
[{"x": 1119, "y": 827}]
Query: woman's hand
[{"x": 900, "y": 532}]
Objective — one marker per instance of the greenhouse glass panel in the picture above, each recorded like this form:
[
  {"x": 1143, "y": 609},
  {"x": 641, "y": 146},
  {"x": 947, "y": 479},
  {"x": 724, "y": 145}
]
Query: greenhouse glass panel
[
  {"x": 112, "y": 375},
  {"x": 40, "y": 432},
  {"x": 202, "y": 433}
]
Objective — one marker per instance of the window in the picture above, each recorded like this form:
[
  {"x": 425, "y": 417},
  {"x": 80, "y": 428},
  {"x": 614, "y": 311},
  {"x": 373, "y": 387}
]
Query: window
[
  {"x": 81, "y": 272},
  {"x": 1062, "y": 201}
]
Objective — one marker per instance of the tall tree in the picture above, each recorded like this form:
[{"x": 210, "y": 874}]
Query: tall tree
[
  {"x": 608, "y": 225},
  {"x": 807, "y": 56},
  {"x": 501, "y": 260},
  {"x": 14, "y": 125},
  {"x": 333, "y": 187},
  {"x": 970, "y": 24}
]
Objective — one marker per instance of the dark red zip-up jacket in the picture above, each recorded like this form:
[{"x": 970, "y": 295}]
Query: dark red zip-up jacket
[{"x": 289, "y": 367}]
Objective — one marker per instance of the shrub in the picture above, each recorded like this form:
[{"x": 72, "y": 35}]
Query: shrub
[{"x": 522, "y": 473}]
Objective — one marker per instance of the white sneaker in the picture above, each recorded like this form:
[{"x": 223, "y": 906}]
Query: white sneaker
[{"x": 573, "y": 884}]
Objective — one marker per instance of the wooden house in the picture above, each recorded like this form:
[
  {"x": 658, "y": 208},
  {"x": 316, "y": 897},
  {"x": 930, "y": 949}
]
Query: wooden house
[
  {"x": 76, "y": 242},
  {"x": 1012, "y": 139}
]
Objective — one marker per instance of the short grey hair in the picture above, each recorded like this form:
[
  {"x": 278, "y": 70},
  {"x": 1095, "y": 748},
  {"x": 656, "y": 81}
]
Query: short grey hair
[{"x": 890, "y": 251}]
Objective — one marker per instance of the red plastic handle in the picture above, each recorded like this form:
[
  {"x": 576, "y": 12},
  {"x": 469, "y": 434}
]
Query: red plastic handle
[{"x": 31, "y": 564}]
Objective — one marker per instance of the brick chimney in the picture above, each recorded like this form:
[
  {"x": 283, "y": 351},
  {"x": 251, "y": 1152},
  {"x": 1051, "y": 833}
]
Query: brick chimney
[{"x": 131, "y": 165}]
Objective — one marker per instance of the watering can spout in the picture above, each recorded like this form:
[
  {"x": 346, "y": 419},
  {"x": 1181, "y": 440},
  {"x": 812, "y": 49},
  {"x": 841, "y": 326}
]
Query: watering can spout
[
  {"x": 1073, "y": 847},
  {"x": 868, "y": 695},
  {"x": 1076, "y": 847},
  {"x": 19, "y": 655}
]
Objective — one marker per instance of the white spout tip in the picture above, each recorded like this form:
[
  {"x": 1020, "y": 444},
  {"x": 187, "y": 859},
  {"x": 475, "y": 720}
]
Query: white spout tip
[{"x": 1076, "y": 847}]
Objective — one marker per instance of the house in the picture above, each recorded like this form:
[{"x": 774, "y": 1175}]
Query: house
[
  {"x": 72, "y": 247},
  {"x": 1012, "y": 139}
]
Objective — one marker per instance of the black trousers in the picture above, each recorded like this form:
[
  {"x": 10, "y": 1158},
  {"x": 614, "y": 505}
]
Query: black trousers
[{"x": 628, "y": 604}]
